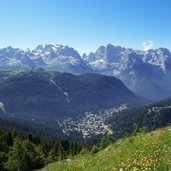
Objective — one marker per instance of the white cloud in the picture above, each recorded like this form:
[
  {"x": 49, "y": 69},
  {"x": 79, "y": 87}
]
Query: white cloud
[{"x": 148, "y": 45}]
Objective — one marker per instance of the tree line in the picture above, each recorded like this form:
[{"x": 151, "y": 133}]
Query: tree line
[{"x": 25, "y": 153}]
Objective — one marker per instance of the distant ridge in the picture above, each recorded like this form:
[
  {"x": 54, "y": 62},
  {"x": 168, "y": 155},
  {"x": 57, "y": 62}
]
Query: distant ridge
[{"x": 147, "y": 73}]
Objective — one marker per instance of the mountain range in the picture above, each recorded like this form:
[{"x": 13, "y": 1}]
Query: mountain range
[
  {"x": 44, "y": 94},
  {"x": 146, "y": 73}
]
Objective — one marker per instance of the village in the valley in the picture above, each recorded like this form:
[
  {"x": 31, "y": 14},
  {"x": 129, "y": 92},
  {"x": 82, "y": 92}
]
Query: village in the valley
[{"x": 91, "y": 124}]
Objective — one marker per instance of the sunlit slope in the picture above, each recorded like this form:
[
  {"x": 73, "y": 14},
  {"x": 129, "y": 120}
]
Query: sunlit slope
[{"x": 145, "y": 151}]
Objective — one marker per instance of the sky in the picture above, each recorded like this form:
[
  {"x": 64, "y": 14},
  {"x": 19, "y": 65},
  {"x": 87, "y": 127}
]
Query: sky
[{"x": 85, "y": 24}]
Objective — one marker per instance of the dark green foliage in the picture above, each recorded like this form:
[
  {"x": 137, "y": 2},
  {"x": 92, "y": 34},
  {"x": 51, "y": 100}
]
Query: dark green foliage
[
  {"x": 103, "y": 143},
  {"x": 146, "y": 118},
  {"x": 34, "y": 157},
  {"x": 9, "y": 139},
  {"x": 137, "y": 129},
  {"x": 3, "y": 160},
  {"x": 17, "y": 158},
  {"x": 53, "y": 154},
  {"x": 30, "y": 138},
  {"x": 24, "y": 156},
  {"x": 23, "y": 125},
  {"x": 94, "y": 149},
  {"x": 61, "y": 153},
  {"x": 19, "y": 152}
]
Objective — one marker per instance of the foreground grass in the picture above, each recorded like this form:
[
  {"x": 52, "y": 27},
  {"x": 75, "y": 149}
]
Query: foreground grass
[{"x": 143, "y": 152}]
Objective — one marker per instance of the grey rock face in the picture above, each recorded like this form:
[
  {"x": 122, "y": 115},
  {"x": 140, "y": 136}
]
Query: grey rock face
[{"x": 147, "y": 73}]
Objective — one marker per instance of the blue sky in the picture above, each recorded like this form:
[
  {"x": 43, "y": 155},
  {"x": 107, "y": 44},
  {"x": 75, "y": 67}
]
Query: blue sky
[{"x": 85, "y": 24}]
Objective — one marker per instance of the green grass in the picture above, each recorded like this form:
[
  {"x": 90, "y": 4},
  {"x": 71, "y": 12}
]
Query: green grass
[{"x": 145, "y": 151}]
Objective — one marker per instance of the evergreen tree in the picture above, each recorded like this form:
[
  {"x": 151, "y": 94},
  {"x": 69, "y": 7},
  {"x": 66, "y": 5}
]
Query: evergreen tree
[
  {"x": 94, "y": 149},
  {"x": 9, "y": 139},
  {"x": 3, "y": 160},
  {"x": 53, "y": 154},
  {"x": 30, "y": 138},
  {"x": 61, "y": 154},
  {"x": 34, "y": 157},
  {"x": 17, "y": 158},
  {"x": 137, "y": 129},
  {"x": 103, "y": 143},
  {"x": 24, "y": 156}
]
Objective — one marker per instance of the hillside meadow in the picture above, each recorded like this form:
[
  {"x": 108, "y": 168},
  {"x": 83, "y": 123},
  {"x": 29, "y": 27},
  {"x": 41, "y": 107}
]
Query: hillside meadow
[{"x": 144, "y": 151}]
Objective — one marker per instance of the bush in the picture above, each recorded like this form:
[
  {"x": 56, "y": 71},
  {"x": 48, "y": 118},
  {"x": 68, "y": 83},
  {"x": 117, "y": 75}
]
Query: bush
[{"x": 94, "y": 149}]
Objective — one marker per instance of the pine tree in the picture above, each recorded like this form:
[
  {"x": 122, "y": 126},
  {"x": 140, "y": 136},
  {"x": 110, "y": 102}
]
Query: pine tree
[
  {"x": 24, "y": 156},
  {"x": 17, "y": 158},
  {"x": 9, "y": 139},
  {"x": 103, "y": 143},
  {"x": 53, "y": 154},
  {"x": 61, "y": 154},
  {"x": 3, "y": 160},
  {"x": 30, "y": 138}
]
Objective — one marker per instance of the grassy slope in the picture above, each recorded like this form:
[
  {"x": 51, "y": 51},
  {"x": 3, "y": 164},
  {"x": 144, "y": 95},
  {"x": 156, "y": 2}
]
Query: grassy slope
[{"x": 150, "y": 151}]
